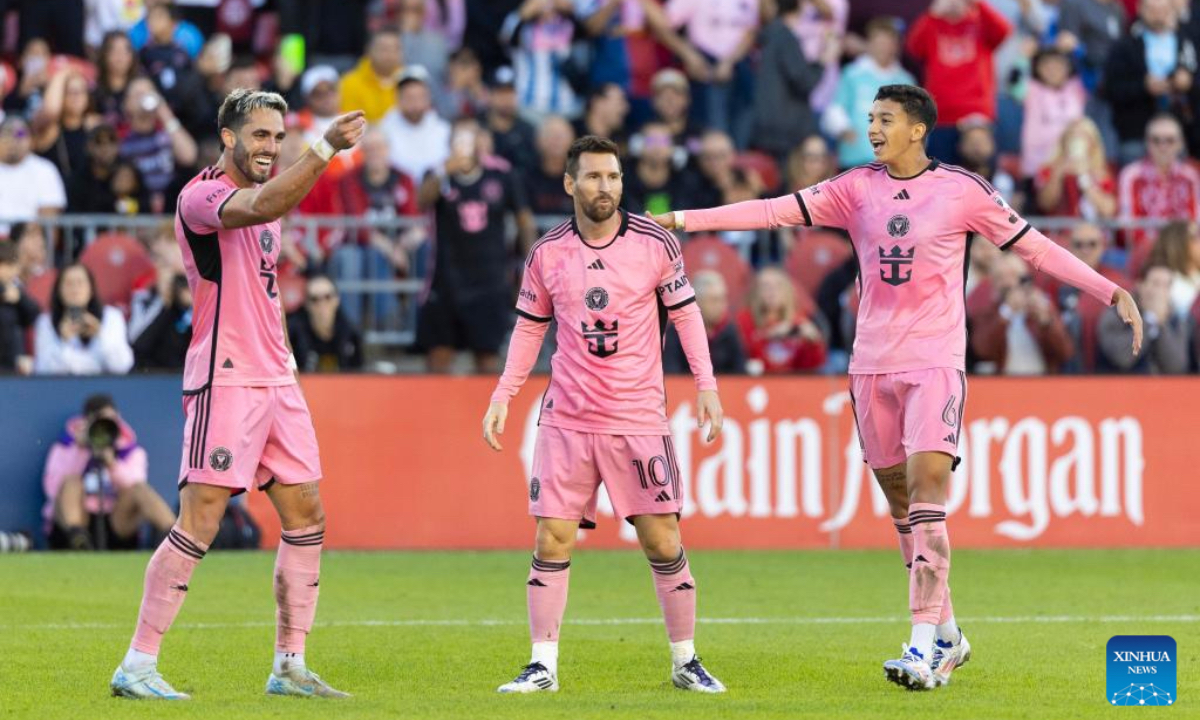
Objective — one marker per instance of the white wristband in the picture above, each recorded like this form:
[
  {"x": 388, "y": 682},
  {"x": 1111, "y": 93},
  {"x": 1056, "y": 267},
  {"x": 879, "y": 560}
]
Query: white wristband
[
  {"x": 323, "y": 149},
  {"x": 679, "y": 220}
]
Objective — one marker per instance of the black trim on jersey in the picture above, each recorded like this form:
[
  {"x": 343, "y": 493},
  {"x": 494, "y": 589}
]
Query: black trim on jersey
[
  {"x": 672, "y": 467},
  {"x": 933, "y": 165},
  {"x": 221, "y": 207},
  {"x": 669, "y": 240},
  {"x": 1017, "y": 237},
  {"x": 620, "y": 231},
  {"x": 200, "y": 417},
  {"x": 556, "y": 233},
  {"x": 803, "y": 209},
  {"x": 966, "y": 269},
  {"x": 683, "y": 303},
  {"x": 206, "y": 251},
  {"x": 862, "y": 444},
  {"x": 531, "y": 316},
  {"x": 983, "y": 184}
]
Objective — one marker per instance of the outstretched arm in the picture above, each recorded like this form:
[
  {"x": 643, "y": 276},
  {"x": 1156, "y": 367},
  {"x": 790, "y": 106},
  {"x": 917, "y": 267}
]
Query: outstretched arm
[
  {"x": 785, "y": 211},
  {"x": 1047, "y": 256},
  {"x": 279, "y": 195}
]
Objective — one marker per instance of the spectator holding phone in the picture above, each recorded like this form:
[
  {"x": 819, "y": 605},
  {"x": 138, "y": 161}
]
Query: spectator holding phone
[{"x": 80, "y": 335}]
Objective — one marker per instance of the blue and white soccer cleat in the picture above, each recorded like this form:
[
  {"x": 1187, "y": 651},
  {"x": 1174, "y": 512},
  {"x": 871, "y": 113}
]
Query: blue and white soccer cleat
[
  {"x": 692, "y": 676},
  {"x": 910, "y": 671},
  {"x": 143, "y": 684},
  {"x": 535, "y": 677},
  {"x": 301, "y": 682},
  {"x": 948, "y": 656}
]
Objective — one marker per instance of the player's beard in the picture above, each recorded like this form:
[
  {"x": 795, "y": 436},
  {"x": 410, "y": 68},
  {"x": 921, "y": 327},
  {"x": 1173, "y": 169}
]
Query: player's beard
[
  {"x": 597, "y": 213},
  {"x": 245, "y": 165}
]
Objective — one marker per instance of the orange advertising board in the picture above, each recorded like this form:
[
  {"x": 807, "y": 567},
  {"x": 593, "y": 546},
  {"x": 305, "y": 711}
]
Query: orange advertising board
[{"x": 1047, "y": 462}]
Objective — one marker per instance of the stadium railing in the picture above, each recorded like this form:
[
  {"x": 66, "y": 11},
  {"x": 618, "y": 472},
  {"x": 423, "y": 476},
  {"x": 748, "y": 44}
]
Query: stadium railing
[{"x": 68, "y": 234}]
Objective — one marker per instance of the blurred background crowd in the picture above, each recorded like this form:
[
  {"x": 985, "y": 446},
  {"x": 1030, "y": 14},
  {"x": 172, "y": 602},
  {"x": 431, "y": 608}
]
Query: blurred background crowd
[{"x": 1083, "y": 113}]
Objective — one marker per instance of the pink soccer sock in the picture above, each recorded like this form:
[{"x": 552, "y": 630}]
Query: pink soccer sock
[
  {"x": 904, "y": 533},
  {"x": 546, "y": 594},
  {"x": 928, "y": 585},
  {"x": 676, "y": 591},
  {"x": 297, "y": 574},
  {"x": 166, "y": 586}
]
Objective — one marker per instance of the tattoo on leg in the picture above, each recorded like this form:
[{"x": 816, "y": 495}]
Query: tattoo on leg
[
  {"x": 893, "y": 480},
  {"x": 308, "y": 490}
]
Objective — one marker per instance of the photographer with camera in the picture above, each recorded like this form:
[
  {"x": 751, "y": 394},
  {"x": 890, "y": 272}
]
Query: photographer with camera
[
  {"x": 95, "y": 483},
  {"x": 80, "y": 335}
]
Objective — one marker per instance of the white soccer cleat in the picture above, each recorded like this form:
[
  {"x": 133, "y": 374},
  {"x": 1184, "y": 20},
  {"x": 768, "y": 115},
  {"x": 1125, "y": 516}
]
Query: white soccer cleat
[
  {"x": 535, "y": 677},
  {"x": 301, "y": 682},
  {"x": 692, "y": 676},
  {"x": 910, "y": 671},
  {"x": 949, "y": 656},
  {"x": 143, "y": 684}
]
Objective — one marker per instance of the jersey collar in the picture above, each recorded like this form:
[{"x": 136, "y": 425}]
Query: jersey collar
[
  {"x": 620, "y": 231},
  {"x": 933, "y": 164}
]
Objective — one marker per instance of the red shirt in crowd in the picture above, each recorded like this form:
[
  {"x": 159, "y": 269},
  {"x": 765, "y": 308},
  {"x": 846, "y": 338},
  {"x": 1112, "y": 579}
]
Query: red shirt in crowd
[
  {"x": 790, "y": 353},
  {"x": 958, "y": 60}
]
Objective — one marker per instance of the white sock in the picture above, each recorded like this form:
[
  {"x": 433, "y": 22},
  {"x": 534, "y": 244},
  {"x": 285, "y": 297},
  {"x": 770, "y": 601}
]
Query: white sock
[
  {"x": 948, "y": 632},
  {"x": 546, "y": 653},
  {"x": 292, "y": 660},
  {"x": 135, "y": 659},
  {"x": 922, "y": 639},
  {"x": 682, "y": 652}
]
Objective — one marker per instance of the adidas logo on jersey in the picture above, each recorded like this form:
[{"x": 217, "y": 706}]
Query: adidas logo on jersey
[
  {"x": 902, "y": 195},
  {"x": 598, "y": 265},
  {"x": 663, "y": 497},
  {"x": 949, "y": 439}
]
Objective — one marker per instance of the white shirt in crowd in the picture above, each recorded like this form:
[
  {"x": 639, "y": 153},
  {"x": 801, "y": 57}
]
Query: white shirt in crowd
[
  {"x": 108, "y": 352},
  {"x": 416, "y": 149},
  {"x": 27, "y": 187}
]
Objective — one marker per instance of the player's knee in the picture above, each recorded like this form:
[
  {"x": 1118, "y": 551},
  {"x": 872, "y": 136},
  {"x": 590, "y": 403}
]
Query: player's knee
[
  {"x": 553, "y": 545},
  {"x": 661, "y": 546}
]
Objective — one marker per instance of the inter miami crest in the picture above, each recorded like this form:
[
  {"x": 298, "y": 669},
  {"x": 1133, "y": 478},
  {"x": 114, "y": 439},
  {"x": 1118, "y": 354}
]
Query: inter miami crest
[
  {"x": 266, "y": 241},
  {"x": 601, "y": 339},
  {"x": 535, "y": 489},
  {"x": 220, "y": 459},
  {"x": 596, "y": 298},
  {"x": 894, "y": 263},
  {"x": 897, "y": 226}
]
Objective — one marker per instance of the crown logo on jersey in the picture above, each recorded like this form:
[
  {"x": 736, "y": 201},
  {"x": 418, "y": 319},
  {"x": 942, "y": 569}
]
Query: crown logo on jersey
[
  {"x": 598, "y": 337},
  {"x": 897, "y": 226},
  {"x": 894, "y": 263}
]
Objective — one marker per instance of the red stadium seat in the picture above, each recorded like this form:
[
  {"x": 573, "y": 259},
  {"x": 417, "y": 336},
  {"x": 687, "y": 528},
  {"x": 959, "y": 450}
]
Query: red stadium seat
[
  {"x": 41, "y": 287},
  {"x": 815, "y": 253},
  {"x": 763, "y": 164},
  {"x": 117, "y": 260},
  {"x": 709, "y": 252}
]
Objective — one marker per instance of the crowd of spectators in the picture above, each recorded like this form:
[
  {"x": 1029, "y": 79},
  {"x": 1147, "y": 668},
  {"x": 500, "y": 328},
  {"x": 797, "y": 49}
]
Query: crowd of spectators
[{"x": 1084, "y": 111}]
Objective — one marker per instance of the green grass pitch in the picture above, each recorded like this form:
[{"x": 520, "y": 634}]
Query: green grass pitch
[{"x": 431, "y": 635}]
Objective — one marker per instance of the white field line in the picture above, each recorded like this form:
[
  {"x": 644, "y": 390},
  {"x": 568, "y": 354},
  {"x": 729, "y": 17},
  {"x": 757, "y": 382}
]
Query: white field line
[{"x": 1018, "y": 619}]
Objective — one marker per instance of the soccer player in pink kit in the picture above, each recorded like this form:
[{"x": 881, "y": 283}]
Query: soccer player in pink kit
[
  {"x": 911, "y": 220},
  {"x": 611, "y": 281},
  {"x": 247, "y": 425}
]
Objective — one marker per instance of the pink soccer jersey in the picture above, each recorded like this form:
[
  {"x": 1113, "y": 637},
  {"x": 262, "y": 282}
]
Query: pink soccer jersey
[
  {"x": 237, "y": 330},
  {"x": 910, "y": 236},
  {"x": 611, "y": 303}
]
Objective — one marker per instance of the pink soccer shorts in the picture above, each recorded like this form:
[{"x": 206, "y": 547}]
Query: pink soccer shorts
[
  {"x": 639, "y": 471},
  {"x": 247, "y": 437},
  {"x": 899, "y": 414}
]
